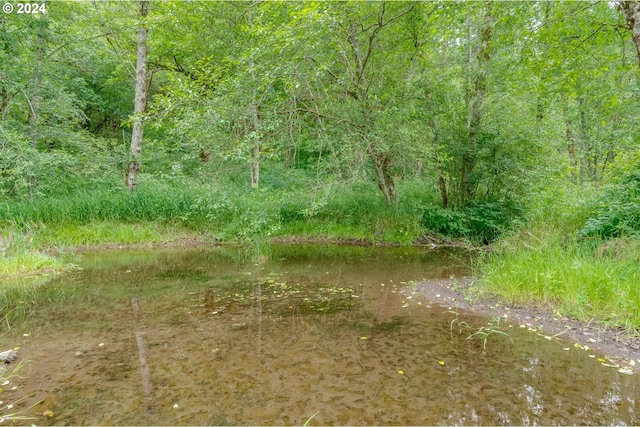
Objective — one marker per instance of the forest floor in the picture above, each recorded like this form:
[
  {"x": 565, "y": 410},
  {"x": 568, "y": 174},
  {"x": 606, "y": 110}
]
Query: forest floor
[{"x": 618, "y": 345}]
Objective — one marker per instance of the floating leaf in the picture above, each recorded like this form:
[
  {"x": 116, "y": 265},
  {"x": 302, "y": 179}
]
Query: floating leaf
[
  {"x": 441, "y": 362},
  {"x": 401, "y": 372},
  {"x": 363, "y": 338},
  {"x": 601, "y": 360}
]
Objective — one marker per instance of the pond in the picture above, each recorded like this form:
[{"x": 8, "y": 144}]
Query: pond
[{"x": 321, "y": 335}]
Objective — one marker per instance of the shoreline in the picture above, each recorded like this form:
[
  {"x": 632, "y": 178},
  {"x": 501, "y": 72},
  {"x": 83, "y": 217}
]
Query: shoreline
[
  {"x": 619, "y": 346},
  {"x": 621, "y": 349}
]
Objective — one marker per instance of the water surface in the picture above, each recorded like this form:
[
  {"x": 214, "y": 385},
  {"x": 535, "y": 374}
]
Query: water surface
[{"x": 324, "y": 334}]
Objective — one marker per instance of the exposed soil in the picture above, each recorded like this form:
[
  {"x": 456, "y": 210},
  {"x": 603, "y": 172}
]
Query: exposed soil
[
  {"x": 617, "y": 344},
  {"x": 181, "y": 243}
]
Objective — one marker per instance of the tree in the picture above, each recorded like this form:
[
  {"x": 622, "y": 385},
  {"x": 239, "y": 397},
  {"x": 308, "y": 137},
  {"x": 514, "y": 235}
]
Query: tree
[
  {"x": 140, "y": 103},
  {"x": 474, "y": 100},
  {"x": 631, "y": 10},
  {"x": 367, "y": 87}
]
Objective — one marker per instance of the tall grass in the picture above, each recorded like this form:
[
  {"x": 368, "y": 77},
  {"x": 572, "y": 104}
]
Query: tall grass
[
  {"x": 573, "y": 279},
  {"x": 232, "y": 212},
  {"x": 153, "y": 201},
  {"x": 548, "y": 265}
]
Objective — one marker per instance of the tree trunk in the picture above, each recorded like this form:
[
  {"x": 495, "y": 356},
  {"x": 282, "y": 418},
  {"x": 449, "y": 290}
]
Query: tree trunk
[
  {"x": 442, "y": 182},
  {"x": 382, "y": 165},
  {"x": 140, "y": 103},
  {"x": 36, "y": 97},
  {"x": 254, "y": 166},
  {"x": 632, "y": 13},
  {"x": 4, "y": 94},
  {"x": 475, "y": 103},
  {"x": 571, "y": 141}
]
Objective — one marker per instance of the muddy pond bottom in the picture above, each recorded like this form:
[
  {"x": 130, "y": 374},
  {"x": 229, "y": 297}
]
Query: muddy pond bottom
[{"x": 320, "y": 335}]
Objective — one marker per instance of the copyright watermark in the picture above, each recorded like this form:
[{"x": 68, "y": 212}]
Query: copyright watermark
[{"x": 34, "y": 8}]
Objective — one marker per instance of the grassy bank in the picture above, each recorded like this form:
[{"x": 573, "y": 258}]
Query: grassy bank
[
  {"x": 590, "y": 280},
  {"x": 544, "y": 262},
  {"x": 558, "y": 264},
  {"x": 233, "y": 212}
]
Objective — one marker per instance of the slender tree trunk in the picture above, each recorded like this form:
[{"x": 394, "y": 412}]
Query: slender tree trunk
[
  {"x": 36, "y": 98},
  {"x": 382, "y": 166},
  {"x": 632, "y": 13},
  {"x": 587, "y": 155},
  {"x": 571, "y": 141},
  {"x": 475, "y": 103},
  {"x": 4, "y": 94},
  {"x": 544, "y": 75},
  {"x": 140, "y": 103},
  {"x": 442, "y": 182},
  {"x": 255, "y": 151},
  {"x": 254, "y": 166}
]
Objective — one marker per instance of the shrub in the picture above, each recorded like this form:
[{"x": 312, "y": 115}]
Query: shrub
[{"x": 617, "y": 210}]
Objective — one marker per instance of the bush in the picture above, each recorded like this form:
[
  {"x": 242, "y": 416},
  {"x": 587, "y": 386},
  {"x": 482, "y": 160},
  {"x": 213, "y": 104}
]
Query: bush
[
  {"x": 617, "y": 210},
  {"x": 483, "y": 222}
]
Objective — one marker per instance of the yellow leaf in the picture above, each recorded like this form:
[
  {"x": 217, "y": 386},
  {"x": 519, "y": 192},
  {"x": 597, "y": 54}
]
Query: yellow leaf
[
  {"x": 363, "y": 338},
  {"x": 401, "y": 372},
  {"x": 441, "y": 362},
  {"x": 48, "y": 413},
  {"x": 601, "y": 360}
]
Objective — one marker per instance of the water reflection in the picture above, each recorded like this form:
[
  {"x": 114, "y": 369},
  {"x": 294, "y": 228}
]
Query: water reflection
[{"x": 314, "y": 330}]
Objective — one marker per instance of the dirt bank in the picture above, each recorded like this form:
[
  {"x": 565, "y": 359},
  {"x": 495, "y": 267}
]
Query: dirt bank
[{"x": 616, "y": 344}]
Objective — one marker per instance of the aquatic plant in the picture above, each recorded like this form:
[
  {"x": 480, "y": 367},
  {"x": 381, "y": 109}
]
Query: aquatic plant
[
  {"x": 6, "y": 409},
  {"x": 485, "y": 332}
]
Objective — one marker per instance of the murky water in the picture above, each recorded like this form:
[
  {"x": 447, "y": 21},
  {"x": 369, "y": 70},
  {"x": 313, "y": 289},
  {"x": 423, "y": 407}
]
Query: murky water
[{"x": 318, "y": 334}]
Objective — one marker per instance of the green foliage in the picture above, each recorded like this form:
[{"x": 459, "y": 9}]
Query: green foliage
[
  {"x": 19, "y": 164},
  {"x": 507, "y": 114},
  {"x": 617, "y": 210},
  {"x": 581, "y": 280},
  {"x": 484, "y": 222}
]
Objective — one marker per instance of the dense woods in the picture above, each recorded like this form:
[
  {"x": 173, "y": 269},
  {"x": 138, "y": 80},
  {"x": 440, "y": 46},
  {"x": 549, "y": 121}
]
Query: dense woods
[{"x": 384, "y": 121}]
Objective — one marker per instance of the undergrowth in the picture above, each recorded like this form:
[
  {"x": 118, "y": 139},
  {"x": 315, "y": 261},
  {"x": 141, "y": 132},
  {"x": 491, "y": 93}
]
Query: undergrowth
[
  {"x": 233, "y": 212},
  {"x": 550, "y": 264}
]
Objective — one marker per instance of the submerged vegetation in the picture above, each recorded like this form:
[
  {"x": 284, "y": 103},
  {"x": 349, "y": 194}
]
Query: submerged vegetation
[{"x": 495, "y": 123}]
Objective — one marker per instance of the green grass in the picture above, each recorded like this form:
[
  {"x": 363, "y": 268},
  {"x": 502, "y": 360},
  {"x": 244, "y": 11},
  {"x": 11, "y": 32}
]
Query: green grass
[
  {"x": 61, "y": 236},
  {"x": 546, "y": 264},
  {"x": 29, "y": 262},
  {"x": 585, "y": 280}
]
